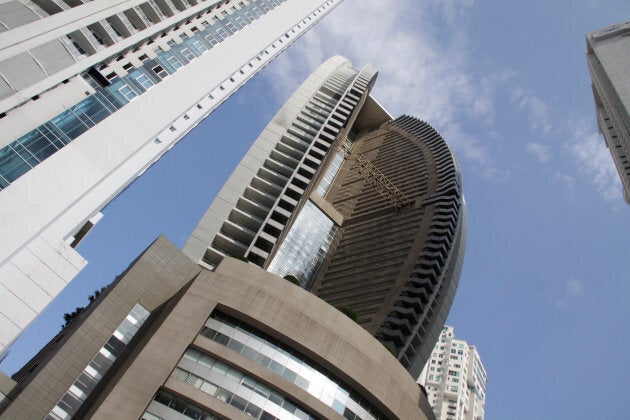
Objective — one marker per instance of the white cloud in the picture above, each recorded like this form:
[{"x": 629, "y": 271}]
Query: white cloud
[
  {"x": 453, "y": 10},
  {"x": 565, "y": 180},
  {"x": 571, "y": 295},
  {"x": 540, "y": 151},
  {"x": 429, "y": 67},
  {"x": 593, "y": 160},
  {"x": 437, "y": 79},
  {"x": 537, "y": 110}
]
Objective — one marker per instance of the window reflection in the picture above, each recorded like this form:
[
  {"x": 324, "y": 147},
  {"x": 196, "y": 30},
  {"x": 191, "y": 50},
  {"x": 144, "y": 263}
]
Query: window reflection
[
  {"x": 305, "y": 246},
  {"x": 231, "y": 386},
  {"x": 290, "y": 364}
]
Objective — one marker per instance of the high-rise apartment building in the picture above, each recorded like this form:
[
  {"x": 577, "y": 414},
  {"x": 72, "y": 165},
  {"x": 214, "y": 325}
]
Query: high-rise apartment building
[
  {"x": 366, "y": 211},
  {"x": 455, "y": 379},
  {"x": 608, "y": 58},
  {"x": 91, "y": 94},
  {"x": 170, "y": 340}
]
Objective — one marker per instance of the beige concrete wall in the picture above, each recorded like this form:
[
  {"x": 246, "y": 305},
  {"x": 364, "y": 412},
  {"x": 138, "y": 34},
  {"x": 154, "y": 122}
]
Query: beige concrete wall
[
  {"x": 282, "y": 310},
  {"x": 160, "y": 280},
  {"x": 156, "y": 276},
  {"x": 322, "y": 333}
]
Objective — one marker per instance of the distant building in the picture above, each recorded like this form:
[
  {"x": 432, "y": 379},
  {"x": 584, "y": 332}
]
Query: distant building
[
  {"x": 170, "y": 340},
  {"x": 608, "y": 57},
  {"x": 91, "y": 94},
  {"x": 367, "y": 211},
  {"x": 455, "y": 379}
]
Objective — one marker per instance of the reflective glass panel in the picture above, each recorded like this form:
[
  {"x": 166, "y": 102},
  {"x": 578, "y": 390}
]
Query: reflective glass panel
[{"x": 305, "y": 246}]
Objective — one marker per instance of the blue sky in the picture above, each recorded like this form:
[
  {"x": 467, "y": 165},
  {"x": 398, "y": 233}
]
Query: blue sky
[{"x": 546, "y": 277}]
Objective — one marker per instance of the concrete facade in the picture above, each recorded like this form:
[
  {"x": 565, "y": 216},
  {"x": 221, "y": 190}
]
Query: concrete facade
[
  {"x": 455, "y": 379},
  {"x": 71, "y": 77},
  {"x": 182, "y": 299},
  {"x": 608, "y": 58}
]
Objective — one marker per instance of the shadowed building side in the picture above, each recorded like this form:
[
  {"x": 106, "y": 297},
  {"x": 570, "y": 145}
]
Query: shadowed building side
[{"x": 398, "y": 268}]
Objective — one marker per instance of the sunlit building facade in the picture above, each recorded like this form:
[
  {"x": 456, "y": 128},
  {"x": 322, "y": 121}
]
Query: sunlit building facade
[
  {"x": 94, "y": 92},
  {"x": 608, "y": 58},
  {"x": 170, "y": 340},
  {"x": 365, "y": 210},
  {"x": 455, "y": 379}
]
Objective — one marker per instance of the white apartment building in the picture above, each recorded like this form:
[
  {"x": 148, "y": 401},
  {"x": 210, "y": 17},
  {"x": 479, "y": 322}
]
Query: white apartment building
[
  {"x": 94, "y": 92},
  {"x": 608, "y": 58},
  {"x": 455, "y": 379}
]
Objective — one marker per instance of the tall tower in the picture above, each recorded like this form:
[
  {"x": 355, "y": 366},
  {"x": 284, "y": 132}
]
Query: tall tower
[
  {"x": 455, "y": 379},
  {"x": 608, "y": 58},
  {"x": 365, "y": 210},
  {"x": 94, "y": 92}
]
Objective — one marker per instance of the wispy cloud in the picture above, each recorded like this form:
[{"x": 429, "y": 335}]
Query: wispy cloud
[
  {"x": 571, "y": 294},
  {"x": 433, "y": 77},
  {"x": 541, "y": 152},
  {"x": 593, "y": 160},
  {"x": 565, "y": 180},
  {"x": 537, "y": 110},
  {"x": 429, "y": 67}
]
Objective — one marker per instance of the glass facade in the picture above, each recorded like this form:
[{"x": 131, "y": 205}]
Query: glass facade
[
  {"x": 21, "y": 155},
  {"x": 305, "y": 246},
  {"x": 333, "y": 168},
  {"x": 290, "y": 364},
  {"x": 167, "y": 403},
  {"x": 72, "y": 400},
  {"x": 231, "y": 386}
]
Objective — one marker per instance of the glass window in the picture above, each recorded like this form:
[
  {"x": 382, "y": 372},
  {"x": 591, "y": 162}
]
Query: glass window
[
  {"x": 244, "y": 392},
  {"x": 188, "y": 54},
  {"x": 285, "y": 362},
  {"x": 98, "y": 366},
  {"x": 127, "y": 92},
  {"x": 219, "y": 367},
  {"x": 173, "y": 61},
  {"x": 159, "y": 70},
  {"x": 144, "y": 81},
  {"x": 305, "y": 246}
]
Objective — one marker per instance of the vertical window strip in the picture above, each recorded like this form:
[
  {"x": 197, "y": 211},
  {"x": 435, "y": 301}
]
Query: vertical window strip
[{"x": 81, "y": 388}]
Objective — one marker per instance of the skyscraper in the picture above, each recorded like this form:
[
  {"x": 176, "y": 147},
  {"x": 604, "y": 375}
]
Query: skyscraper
[
  {"x": 455, "y": 379},
  {"x": 608, "y": 58},
  {"x": 170, "y": 340},
  {"x": 91, "y": 94},
  {"x": 332, "y": 185},
  {"x": 365, "y": 210}
]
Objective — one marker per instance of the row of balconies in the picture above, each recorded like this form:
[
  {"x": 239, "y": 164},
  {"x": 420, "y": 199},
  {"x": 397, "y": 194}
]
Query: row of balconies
[
  {"x": 254, "y": 227},
  {"x": 299, "y": 136}
]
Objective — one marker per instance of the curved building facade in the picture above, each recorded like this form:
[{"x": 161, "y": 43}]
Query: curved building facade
[
  {"x": 365, "y": 210},
  {"x": 398, "y": 267},
  {"x": 168, "y": 340}
]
